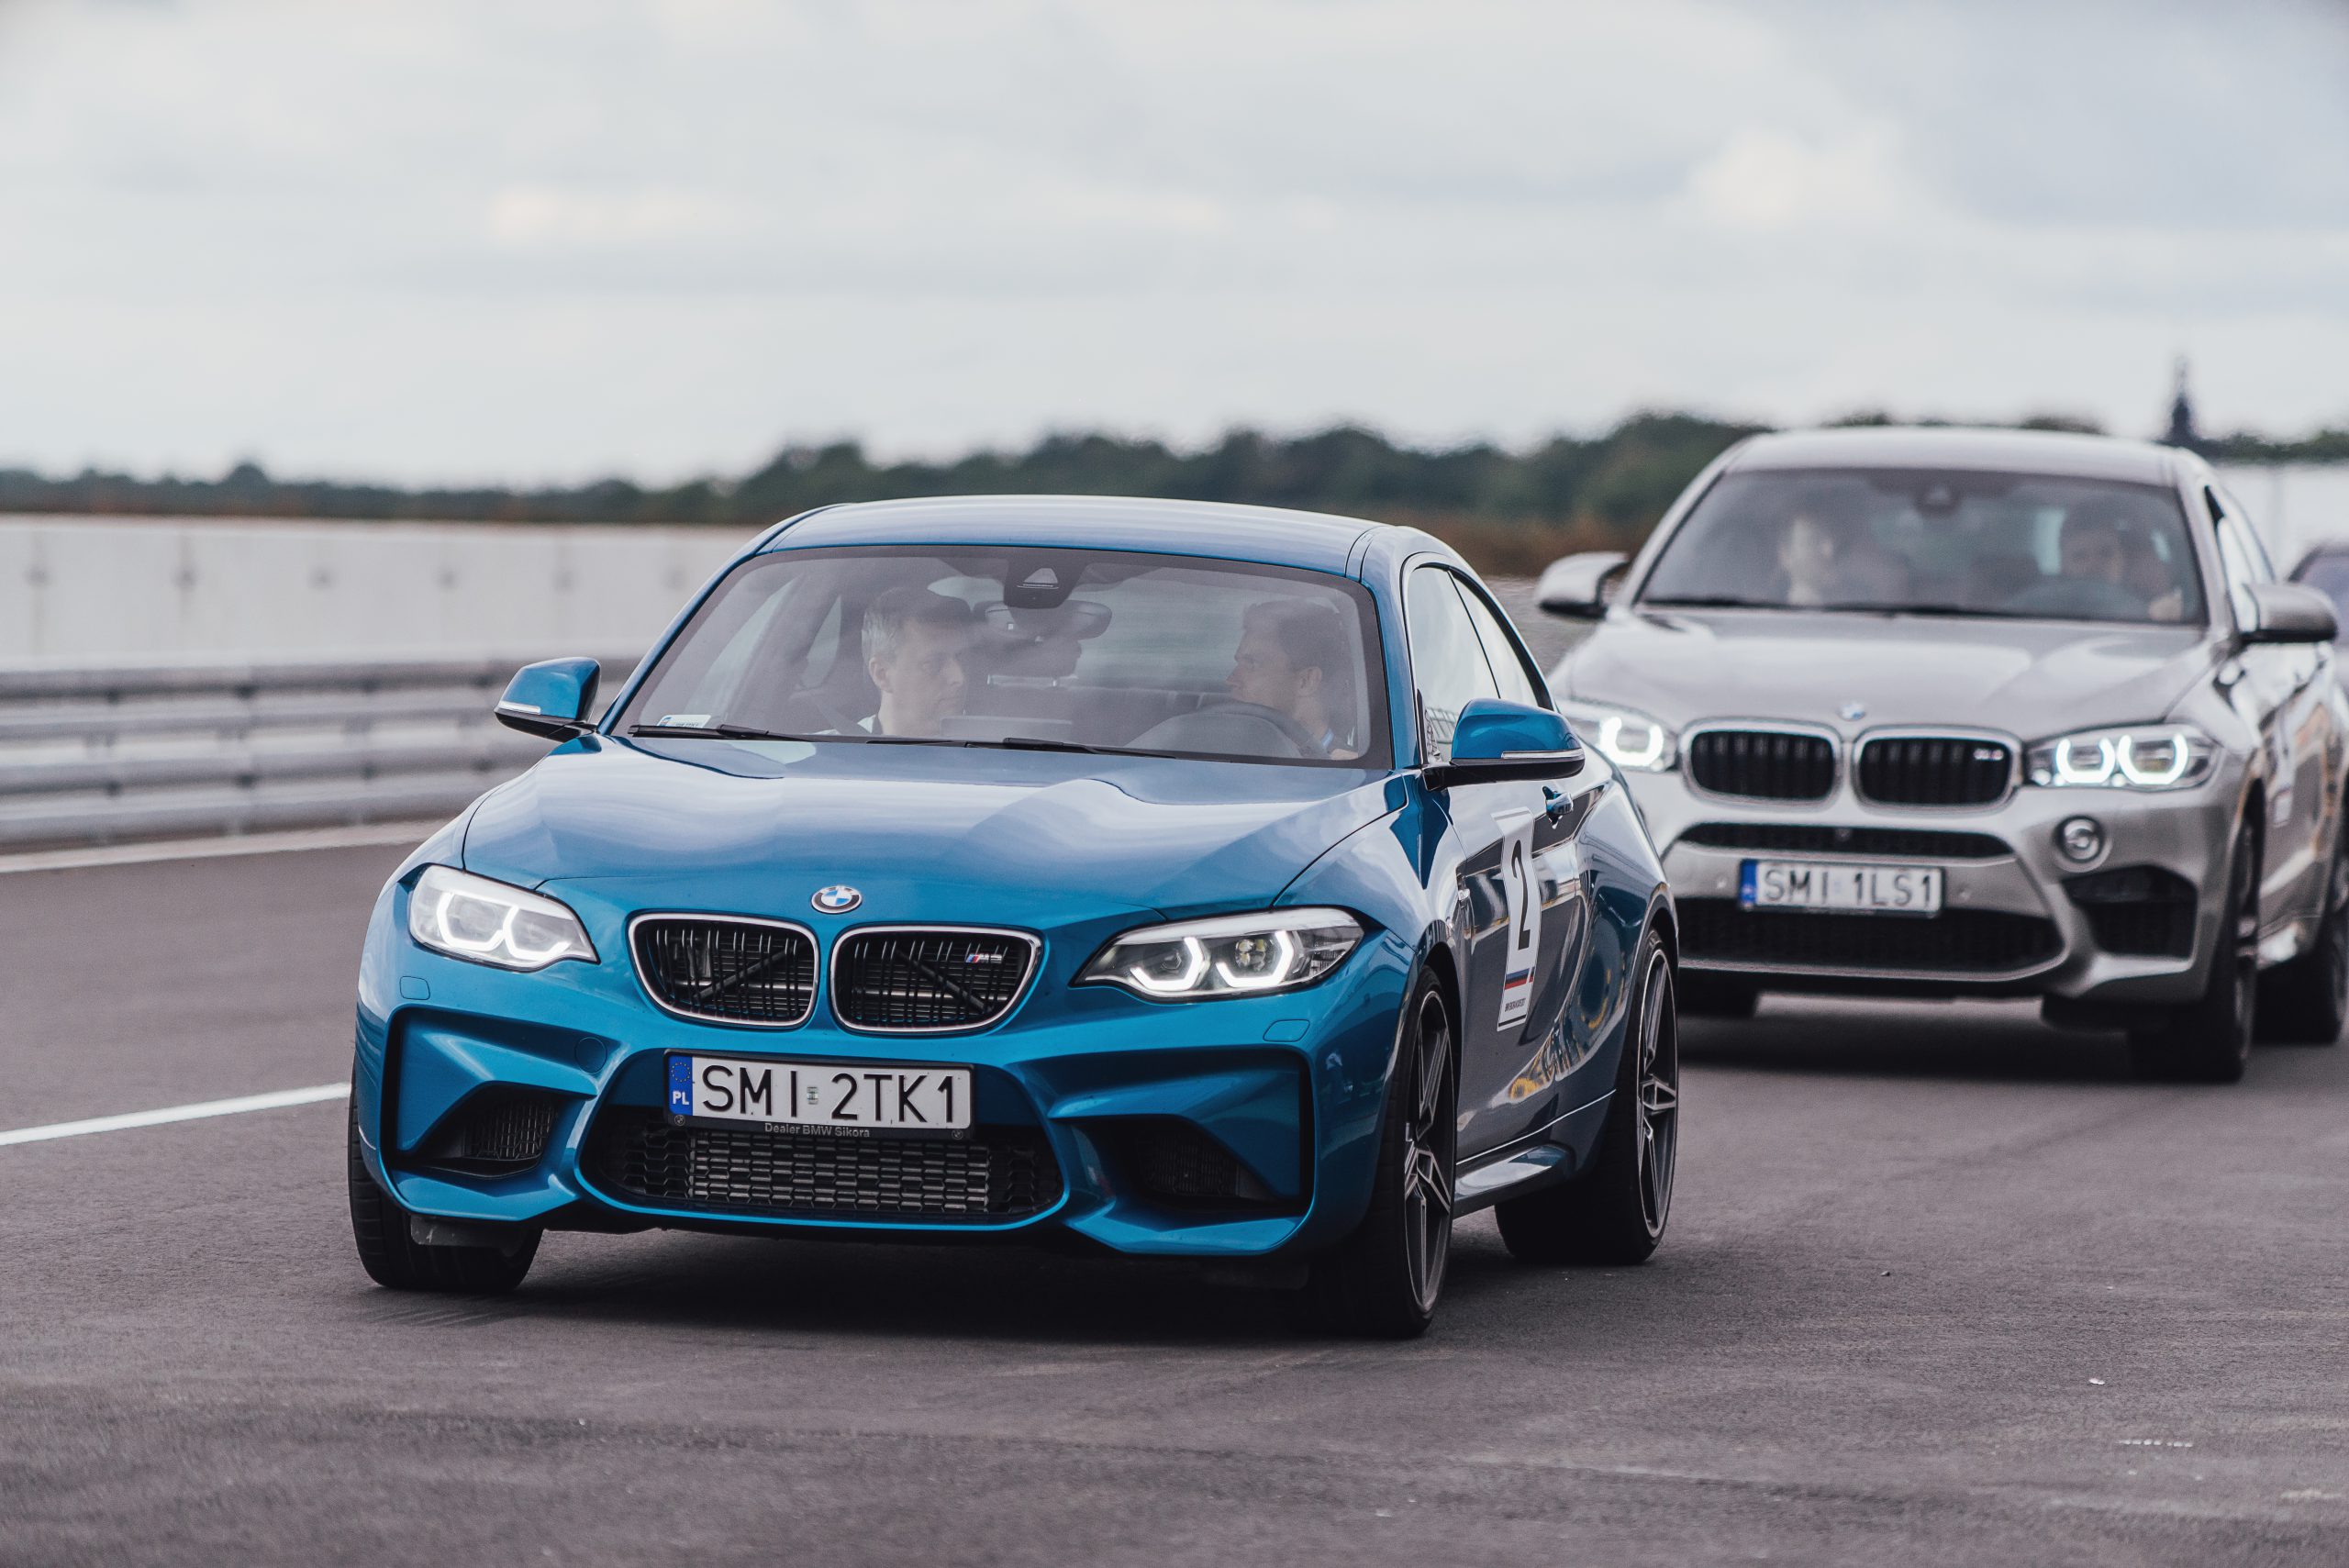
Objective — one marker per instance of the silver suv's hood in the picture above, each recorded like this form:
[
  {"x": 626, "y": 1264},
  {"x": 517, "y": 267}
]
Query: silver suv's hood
[{"x": 2030, "y": 678}]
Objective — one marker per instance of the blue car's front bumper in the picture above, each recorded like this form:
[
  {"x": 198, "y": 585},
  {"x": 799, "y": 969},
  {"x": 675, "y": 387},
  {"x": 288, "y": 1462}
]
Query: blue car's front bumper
[{"x": 1289, "y": 1085}]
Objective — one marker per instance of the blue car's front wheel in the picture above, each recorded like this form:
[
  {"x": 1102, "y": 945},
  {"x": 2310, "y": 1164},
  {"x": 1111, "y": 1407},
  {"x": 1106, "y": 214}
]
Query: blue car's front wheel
[
  {"x": 395, "y": 1260},
  {"x": 1384, "y": 1279}
]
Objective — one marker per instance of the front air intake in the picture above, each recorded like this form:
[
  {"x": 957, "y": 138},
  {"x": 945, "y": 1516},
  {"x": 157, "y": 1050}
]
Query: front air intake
[{"x": 927, "y": 979}]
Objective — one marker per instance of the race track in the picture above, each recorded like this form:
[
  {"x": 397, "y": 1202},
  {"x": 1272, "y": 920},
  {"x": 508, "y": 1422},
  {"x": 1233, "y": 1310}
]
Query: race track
[{"x": 1941, "y": 1287}]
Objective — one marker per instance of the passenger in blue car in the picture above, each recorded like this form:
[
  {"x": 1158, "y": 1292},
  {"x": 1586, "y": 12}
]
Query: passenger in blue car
[
  {"x": 916, "y": 645},
  {"x": 1293, "y": 658}
]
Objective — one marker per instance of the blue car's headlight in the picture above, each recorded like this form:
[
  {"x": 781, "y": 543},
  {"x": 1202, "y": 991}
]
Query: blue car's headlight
[
  {"x": 2138, "y": 757},
  {"x": 470, "y": 917},
  {"x": 1230, "y": 955}
]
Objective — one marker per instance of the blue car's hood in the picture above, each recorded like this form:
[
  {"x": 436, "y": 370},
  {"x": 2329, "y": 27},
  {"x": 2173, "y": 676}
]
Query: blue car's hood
[{"x": 933, "y": 833}]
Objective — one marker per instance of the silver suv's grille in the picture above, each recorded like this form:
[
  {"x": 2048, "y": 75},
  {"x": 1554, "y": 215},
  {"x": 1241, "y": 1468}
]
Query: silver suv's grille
[
  {"x": 1762, "y": 764},
  {"x": 1934, "y": 770}
]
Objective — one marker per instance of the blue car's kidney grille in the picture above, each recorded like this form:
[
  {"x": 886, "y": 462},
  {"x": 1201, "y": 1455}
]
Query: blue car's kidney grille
[
  {"x": 740, "y": 972},
  {"x": 1002, "y": 1173},
  {"x": 908, "y": 980},
  {"x": 1935, "y": 770},
  {"x": 1762, "y": 764}
]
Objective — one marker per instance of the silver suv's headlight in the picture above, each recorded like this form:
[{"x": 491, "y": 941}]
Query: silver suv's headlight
[
  {"x": 1230, "y": 955},
  {"x": 2137, "y": 756},
  {"x": 1624, "y": 738},
  {"x": 470, "y": 917}
]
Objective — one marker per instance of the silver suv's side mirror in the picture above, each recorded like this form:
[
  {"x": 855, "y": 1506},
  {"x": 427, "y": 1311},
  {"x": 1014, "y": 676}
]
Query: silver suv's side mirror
[
  {"x": 1580, "y": 587},
  {"x": 2290, "y": 613}
]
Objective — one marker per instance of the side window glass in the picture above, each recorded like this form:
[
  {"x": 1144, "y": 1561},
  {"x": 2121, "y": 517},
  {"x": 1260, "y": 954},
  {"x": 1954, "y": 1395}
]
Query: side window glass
[
  {"x": 1448, "y": 668},
  {"x": 2264, "y": 569},
  {"x": 2234, "y": 560},
  {"x": 1510, "y": 673}
]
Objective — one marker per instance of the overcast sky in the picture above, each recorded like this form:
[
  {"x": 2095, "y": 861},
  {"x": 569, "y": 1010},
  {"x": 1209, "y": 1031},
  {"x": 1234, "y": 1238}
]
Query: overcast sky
[{"x": 438, "y": 239}]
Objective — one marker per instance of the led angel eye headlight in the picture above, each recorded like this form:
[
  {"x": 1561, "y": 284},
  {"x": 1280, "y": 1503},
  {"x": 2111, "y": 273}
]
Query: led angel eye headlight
[
  {"x": 470, "y": 917},
  {"x": 2139, "y": 757},
  {"x": 1630, "y": 740},
  {"x": 1232, "y": 955}
]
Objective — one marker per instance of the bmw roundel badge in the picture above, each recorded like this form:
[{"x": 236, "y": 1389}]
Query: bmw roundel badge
[{"x": 837, "y": 899}]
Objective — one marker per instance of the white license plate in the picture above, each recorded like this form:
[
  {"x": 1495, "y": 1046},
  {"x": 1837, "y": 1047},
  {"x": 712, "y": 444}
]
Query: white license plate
[
  {"x": 1840, "y": 886},
  {"x": 831, "y": 1097}
]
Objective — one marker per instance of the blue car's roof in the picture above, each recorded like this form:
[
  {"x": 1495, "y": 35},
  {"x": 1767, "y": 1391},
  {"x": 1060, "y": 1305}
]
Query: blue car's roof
[{"x": 1270, "y": 535}]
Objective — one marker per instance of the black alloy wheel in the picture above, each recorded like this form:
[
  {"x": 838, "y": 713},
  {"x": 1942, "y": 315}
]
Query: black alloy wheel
[
  {"x": 1616, "y": 1212},
  {"x": 1383, "y": 1281},
  {"x": 2207, "y": 1040}
]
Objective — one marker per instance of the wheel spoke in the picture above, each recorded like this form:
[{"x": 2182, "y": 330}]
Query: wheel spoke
[{"x": 1658, "y": 1097}]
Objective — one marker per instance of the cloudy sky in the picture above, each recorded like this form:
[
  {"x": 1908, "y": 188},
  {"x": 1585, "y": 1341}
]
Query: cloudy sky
[{"x": 435, "y": 240}]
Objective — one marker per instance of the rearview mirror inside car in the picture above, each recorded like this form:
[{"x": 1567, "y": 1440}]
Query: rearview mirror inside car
[
  {"x": 554, "y": 700},
  {"x": 2288, "y": 612},
  {"x": 1581, "y": 586}
]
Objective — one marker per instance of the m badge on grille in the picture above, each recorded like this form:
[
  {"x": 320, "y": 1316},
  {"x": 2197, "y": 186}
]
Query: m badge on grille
[{"x": 837, "y": 899}]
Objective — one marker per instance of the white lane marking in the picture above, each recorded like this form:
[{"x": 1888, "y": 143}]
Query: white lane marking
[
  {"x": 224, "y": 845},
  {"x": 274, "y": 1100}
]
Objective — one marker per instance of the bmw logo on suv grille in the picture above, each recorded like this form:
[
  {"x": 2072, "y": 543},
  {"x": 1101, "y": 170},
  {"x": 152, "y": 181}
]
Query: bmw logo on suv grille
[{"x": 837, "y": 899}]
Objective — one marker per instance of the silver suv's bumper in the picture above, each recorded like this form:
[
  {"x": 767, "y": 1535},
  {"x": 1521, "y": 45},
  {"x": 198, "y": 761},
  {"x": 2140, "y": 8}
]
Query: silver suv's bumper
[{"x": 1988, "y": 893}]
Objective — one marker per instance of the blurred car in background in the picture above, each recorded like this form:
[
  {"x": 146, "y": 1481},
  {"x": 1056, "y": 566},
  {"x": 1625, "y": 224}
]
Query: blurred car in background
[
  {"x": 1943, "y": 712},
  {"x": 2326, "y": 569}
]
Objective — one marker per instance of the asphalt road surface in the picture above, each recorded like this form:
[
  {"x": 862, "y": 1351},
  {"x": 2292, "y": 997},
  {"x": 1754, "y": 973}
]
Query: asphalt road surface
[{"x": 1941, "y": 1287}]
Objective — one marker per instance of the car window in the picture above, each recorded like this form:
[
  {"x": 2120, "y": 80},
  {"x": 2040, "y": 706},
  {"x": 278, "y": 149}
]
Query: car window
[
  {"x": 1511, "y": 675},
  {"x": 1106, "y": 649},
  {"x": 2240, "y": 557},
  {"x": 1448, "y": 667},
  {"x": 1969, "y": 542}
]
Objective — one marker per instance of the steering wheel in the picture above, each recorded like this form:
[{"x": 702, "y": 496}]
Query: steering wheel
[{"x": 1291, "y": 731}]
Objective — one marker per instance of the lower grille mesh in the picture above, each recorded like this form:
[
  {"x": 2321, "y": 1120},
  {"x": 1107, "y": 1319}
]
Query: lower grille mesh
[
  {"x": 1001, "y": 1174},
  {"x": 1955, "y": 941}
]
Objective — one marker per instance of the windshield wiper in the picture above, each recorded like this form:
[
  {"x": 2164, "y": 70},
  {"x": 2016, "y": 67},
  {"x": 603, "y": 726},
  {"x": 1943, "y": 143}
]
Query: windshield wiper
[
  {"x": 1709, "y": 602},
  {"x": 713, "y": 732},
  {"x": 1037, "y": 743}
]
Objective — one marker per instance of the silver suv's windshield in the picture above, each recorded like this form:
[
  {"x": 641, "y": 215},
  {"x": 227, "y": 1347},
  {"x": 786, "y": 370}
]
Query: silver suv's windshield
[
  {"x": 1054, "y": 649},
  {"x": 2021, "y": 545}
]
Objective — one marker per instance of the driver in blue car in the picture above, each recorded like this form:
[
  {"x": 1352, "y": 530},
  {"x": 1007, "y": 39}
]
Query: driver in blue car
[
  {"x": 1293, "y": 658},
  {"x": 916, "y": 642}
]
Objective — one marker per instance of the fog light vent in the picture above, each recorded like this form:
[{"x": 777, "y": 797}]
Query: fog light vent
[
  {"x": 2142, "y": 911},
  {"x": 495, "y": 1129},
  {"x": 1175, "y": 1162}
]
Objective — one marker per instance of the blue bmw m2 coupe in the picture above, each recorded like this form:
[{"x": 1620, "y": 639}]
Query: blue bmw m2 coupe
[{"x": 1193, "y": 882}]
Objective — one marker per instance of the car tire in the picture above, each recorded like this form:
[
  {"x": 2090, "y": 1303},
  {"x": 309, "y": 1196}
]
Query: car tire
[
  {"x": 2207, "y": 1040},
  {"x": 2305, "y": 1002},
  {"x": 1384, "y": 1280},
  {"x": 397, "y": 1261},
  {"x": 1616, "y": 1211},
  {"x": 1714, "y": 996}
]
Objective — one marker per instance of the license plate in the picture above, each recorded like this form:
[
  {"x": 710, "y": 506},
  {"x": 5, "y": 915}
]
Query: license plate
[
  {"x": 1840, "y": 886},
  {"x": 842, "y": 1098}
]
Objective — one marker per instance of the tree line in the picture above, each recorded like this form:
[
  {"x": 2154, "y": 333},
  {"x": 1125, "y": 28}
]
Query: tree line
[{"x": 1562, "y": 492}]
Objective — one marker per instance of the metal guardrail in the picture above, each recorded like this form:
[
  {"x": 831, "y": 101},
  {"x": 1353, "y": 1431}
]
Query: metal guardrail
[{"x": 93, "y": 756}]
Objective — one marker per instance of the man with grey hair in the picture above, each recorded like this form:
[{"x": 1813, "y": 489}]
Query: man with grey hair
[{"x": 915, "y": 643}]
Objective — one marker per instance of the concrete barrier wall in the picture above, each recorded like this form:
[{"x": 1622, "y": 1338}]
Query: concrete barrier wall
[{"x": 105, "y": 590}]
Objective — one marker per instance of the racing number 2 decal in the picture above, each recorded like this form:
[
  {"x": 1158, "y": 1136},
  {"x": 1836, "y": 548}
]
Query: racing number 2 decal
[{"x": 1521, "y": 881}]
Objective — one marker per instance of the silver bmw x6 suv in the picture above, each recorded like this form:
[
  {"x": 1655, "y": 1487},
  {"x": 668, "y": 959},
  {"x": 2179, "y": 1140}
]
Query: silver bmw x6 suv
[{"x": 1945, "y": 712}]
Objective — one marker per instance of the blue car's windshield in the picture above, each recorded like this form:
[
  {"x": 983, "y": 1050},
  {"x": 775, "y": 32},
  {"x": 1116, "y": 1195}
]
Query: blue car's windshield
[
  {"x": 1074, "y": 649},
  {"x": 1965, "y": 543}
]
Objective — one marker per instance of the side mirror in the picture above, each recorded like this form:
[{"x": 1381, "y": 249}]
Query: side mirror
[
  {"x": 1495, "y": 740},
  {"x": 2290, "y": 613},
  {"x": 1581, "y": 586},
  {"x": 553, "y": 699}
]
